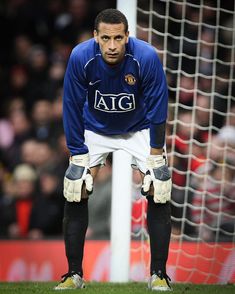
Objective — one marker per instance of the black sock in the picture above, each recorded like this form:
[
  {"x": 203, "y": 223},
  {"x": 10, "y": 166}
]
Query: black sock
[
  {"x": 75, "y": 225},
  {"x": 159, "y": 228}
]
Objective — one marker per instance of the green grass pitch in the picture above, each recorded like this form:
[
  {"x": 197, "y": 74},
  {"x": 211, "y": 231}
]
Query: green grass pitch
[{"x": 111, "y": 288}]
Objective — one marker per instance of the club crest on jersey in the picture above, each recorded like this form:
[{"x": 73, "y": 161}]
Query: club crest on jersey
[
  {"x": 130, "y": 79},
  {"x": 122, "y": 102}
]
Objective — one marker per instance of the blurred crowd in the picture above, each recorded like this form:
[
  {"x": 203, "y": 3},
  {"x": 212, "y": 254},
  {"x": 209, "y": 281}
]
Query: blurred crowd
[{"x": 37, "y": 38}]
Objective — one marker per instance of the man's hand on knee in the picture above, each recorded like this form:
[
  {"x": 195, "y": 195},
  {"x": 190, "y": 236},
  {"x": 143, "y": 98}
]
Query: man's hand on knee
[
  {"x": 76, "y": 176},
  {"x": 157, "y": 176}
]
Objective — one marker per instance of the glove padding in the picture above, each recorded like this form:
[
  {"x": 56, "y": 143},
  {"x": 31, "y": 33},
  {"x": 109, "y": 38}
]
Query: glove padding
[
  {"x": 76, "y": 175},
  {"x": 157, "y": 174}
]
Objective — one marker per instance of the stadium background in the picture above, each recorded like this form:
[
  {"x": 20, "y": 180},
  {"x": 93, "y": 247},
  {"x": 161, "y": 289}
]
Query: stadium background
[{"x": 36, "y": 39}]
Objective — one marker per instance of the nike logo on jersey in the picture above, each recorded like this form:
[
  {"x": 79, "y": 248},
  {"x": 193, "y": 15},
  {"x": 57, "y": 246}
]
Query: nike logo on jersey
[
  {"x": 93, "y": 83},
  {"x": 122, "y": 102}
]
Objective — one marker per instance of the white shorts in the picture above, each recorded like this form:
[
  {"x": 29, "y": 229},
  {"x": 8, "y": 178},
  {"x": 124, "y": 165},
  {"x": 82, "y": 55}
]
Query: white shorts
[{"x": 136, "y": 144}]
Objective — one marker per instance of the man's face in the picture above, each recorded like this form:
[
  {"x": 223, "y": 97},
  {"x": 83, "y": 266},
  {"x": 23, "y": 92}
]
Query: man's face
[{"x": 112, "y": 40}]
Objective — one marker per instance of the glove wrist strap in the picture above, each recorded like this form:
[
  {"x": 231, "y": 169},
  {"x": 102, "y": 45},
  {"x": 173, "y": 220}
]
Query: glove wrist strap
[
  {"x": 155, "y": 161},
  {"x": 80, "y": 160}
]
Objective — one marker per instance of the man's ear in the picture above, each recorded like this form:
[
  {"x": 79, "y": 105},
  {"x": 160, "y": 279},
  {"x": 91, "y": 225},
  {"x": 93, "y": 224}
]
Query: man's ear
[
  {"x": 127, "y": 35},
  {"x": 95, "y": 34}
]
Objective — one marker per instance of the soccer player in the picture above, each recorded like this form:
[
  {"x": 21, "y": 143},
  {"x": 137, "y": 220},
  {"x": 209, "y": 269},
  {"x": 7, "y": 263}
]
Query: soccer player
[{"x": 115, "y": 97}]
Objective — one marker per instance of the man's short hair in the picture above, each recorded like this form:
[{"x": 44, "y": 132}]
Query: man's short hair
[{"x": 111, "y": 16}]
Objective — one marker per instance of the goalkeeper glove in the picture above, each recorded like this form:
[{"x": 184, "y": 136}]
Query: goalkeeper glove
[
  {"x": 76, "y": 175},
  {"x": 157, "y": 175}
]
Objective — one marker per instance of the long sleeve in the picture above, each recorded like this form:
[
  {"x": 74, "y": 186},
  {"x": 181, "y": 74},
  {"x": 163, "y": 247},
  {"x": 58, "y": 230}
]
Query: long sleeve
[
  {"x": 155, "y": 93},
  {"x": 73, "y": 102}
]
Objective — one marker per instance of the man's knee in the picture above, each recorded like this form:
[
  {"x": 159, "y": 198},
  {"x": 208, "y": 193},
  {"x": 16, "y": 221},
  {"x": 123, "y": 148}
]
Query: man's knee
[{"x": 160, "y": 212}]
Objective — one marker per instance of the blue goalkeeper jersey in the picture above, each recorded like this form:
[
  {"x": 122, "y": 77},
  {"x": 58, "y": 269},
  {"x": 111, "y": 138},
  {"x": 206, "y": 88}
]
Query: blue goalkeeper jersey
[{"x": 112, "y": 100}]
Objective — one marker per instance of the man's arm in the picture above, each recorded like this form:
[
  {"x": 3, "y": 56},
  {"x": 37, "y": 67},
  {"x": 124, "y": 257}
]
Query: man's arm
[
  {"x": 73, "y": 102},
  {"x": 77, "y": 174},
  {"x": 156, "y": 98},
  {"x": 156, "y": 151}
]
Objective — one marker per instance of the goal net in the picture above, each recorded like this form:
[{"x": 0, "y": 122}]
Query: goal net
[{"x": 195, "y": 40}]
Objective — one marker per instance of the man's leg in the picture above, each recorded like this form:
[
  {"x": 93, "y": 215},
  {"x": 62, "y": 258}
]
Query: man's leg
[
  {"x": 159, "y": 228},
  {"x": 75, "y": 224}
]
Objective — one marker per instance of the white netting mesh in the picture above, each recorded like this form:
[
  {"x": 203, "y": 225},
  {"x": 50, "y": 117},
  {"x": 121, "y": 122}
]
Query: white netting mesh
[{"x": 196, "y": 43}]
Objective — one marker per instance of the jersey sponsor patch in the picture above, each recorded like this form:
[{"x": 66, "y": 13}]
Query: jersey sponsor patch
[{"x": 122, "y": 102}]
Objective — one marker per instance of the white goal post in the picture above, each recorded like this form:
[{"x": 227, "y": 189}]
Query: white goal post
[{"x": 121, "y": 188}]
